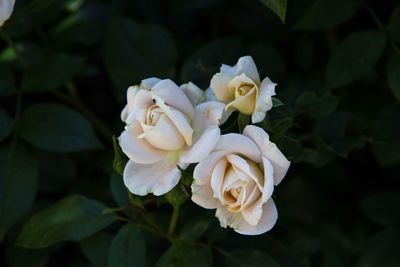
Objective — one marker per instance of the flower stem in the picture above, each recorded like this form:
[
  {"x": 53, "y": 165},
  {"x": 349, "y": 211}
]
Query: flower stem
[{"x": 174, "y": 220}]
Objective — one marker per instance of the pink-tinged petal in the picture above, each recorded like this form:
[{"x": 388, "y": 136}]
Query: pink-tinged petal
[
  {"x": 149, "y": 83},
  {"x": 239, "y": 144},
  {"x": 217, "y": 177},
  {"x": 264, "y": 100},
  {"x": 142, "y": 98},
  {"x": 241, "y": 226},
  {"x": 246, "y": 169},
  {"x": 138, "y": 150},
  {"x": 206, "y": 131},
  {"x": 252, "y": 213},
  {"x": 157, "y": 178},
  {"x": 193, "y": 93},
  {"x": 163, "y": 135},
  {"x": 202, "y": 195},
  {"x": 269, "y": 150},
  {"x": 180, "y": 121},
  {"x": 173, "y": 96},
  {"x": 219, "y": 85},
  {"x": 203, "y": 171}
]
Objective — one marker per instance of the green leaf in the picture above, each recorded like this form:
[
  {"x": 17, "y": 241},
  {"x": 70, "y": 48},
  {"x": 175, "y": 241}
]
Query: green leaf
[
  {"x": 276, "y": 102},
  {"x": 305, "y": 100},
  {"x": 18, "y": 184},
  {"x": 325, "y": 14},
  {"x": 195, "y": 228},
  {"x": 177, "y": 196},
  {"x": 383, "y": 207},
  {"x": 128, "y": 248},
  {"x": 133, "y": 51},
  {"x": 278, "y": 7},
  {"x": 56, "y": 127},
  {"x": 22, "y": 257},
  {"x": 73, "y": 218},
  {"x": 183, "y": 256},
  {"x": 7, "y": 83},
  {"x": 96, "y": 248},
  {"x": 243, "y": 120},
  {"x": 385, "y": 141},
  {"x": 393, "y": 26},
  {"x": 354, "y": 57},
  {"x": 120, "y": 159},
  {"x": 51, "y": 73},
  {"x": 382, "y": 250},
  {"x": 324, "y": 106},
  {"x": 393, "y": 75},
  {"x": 6, "y": 125},
  {"x": 250, "y": 257}
]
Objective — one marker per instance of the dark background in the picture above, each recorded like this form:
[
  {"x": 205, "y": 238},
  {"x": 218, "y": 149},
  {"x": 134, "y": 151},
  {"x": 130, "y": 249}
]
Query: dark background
[{"x": 337, "y": 65}]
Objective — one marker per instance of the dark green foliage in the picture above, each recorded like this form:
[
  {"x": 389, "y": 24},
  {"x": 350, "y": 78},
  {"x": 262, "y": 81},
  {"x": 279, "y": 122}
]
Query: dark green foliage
[
  {"x": 56, "y": 127},
  {"x": 72, "y": 218},
  {"x": 65, "y": 66}
]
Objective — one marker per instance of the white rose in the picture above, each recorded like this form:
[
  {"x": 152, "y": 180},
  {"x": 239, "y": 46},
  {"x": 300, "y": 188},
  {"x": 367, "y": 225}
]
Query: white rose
[
  {"x": 240, "y": 89},
  {"x": 238, "y": 179},
  {"x": 6, "y": 8},
  {"x": 165, "y": 129}
]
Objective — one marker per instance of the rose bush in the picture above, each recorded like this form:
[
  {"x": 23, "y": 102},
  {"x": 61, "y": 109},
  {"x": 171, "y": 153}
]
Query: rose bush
[
  {"x": 238, "y": 180},
  {"x": 165, "y": 127},
  {"x": 239, "y": 87},
  {"x": 6, "y": 8}
]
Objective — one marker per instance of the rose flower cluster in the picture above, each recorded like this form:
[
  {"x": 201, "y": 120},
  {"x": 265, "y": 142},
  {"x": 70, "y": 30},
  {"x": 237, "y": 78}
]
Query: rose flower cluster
[{"x": 169, "y": 127}]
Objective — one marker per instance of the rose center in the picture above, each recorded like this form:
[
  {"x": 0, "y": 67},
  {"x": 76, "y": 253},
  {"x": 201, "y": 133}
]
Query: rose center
[
  {"x": 235, "y": 192},
  {"x": 154, "y": 114},
  {"x": 242, "y": 90}
]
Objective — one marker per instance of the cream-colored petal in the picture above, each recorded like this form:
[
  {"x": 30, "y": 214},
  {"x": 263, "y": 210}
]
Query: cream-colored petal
[
  {"x": 194, "y": 93},
  {"x": 269, "y": 150},
  {"x": 203, "y": 196},
  {"x": 219, "y": 85},
  {"x": 124, "y": 113},
  {"x": 138, "y": 150},
  {"x": 217, "y": 177},
  {"x": 264, "y": 100},
  {"x": 246, "y": 169},
  {"x": 209, "y": 94},
  {"x": 268, "y": 187},
  {"x": 247, "y": 66},
  {"x": 206, "y": 131},
  {"x": 252, "y": 213},
  {"x": 164, "y": 135},
  {"x": 142, "y": 98},
  {"x": 239, "y": 144},
  {"x": 240, "y": 225},
  {"x": 203, "y": 171},
  {"x": 180, "y": 121},
  {"x": 244, "y": 104},
  {"x": 149, "y": 83},
  {"x": 6, "y": 9},
  {"x": 173, "y": 96},
  {"x": 157, "y": 178}
]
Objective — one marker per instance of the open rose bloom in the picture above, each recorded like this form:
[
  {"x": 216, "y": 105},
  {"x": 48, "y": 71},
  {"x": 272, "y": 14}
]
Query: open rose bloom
[
  {"x": 239, "y": 87},
  {"x": 166, "y": 127},
  {"x": 238, "y": 180}
]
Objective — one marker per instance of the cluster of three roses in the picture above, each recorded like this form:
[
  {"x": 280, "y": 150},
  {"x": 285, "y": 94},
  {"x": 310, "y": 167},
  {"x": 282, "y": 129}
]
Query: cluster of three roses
[{"x": 169, "y": 126}]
